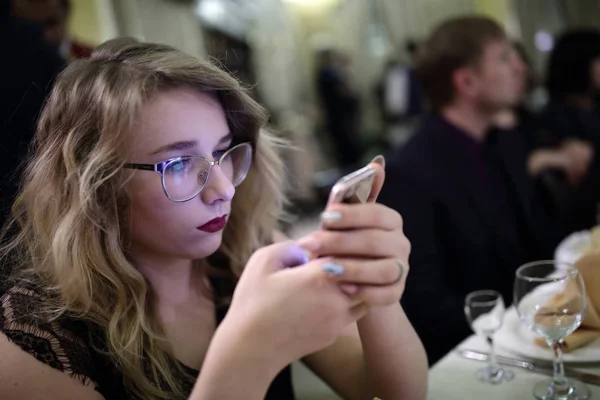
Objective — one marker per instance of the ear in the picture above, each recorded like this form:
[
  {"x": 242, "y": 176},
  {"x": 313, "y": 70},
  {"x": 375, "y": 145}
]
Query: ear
[{"x": 464, "y": 82}]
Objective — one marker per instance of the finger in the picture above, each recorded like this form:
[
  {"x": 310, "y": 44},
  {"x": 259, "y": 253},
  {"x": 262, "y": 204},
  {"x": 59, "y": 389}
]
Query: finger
[
  {"x": 317, "y": 274},
  {"x": 349, "y": 289},
  {"x": 279, "y": 256},
  {"x": 380, "y": 272},
  {"x": 361, "y": 216},
  {"x": 371, "y": 243},
  {"x": 357, "y": 312},
  {"x": 376, "y": 296},
  {"x": 378, "y": 164}
]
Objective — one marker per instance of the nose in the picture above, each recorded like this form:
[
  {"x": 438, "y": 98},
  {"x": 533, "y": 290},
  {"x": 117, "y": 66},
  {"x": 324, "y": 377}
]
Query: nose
[{"x": 218, "y": 188}]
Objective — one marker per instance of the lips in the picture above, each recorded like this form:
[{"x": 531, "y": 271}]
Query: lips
[{"x": 214, "y": 225}]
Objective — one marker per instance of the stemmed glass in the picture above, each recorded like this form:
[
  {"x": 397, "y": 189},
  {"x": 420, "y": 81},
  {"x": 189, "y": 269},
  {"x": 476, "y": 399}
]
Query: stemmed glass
[
  {"x": 485, "y": 313},
  {"x": 550, "y": 299}
]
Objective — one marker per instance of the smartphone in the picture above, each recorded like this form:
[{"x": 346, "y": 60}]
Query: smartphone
[{"x": 354, "y": 187}]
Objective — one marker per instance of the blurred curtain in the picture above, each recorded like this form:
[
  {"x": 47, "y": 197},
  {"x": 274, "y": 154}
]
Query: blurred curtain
[
  {"x": 539, "y": 17},
  {"x": 581, "y": 13},
  {"x": 272, "y": 37},
  {"x": 171, "y": 22},
  {"x": 416, "y": 18},
  {"x": 364, "y": 28}
]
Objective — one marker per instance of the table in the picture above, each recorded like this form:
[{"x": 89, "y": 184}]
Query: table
[{"x": 453, "y": 378}]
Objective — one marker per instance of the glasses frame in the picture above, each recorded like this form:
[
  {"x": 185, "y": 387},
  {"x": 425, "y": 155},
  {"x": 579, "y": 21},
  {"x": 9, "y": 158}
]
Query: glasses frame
[{"x": 161, "y": 166}]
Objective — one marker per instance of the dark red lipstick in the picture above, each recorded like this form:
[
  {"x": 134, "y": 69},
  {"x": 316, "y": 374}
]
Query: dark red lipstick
[{"x": 214, "y": 225}]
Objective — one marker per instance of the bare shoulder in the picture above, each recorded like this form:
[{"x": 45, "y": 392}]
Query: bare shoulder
[
  {"x": 41, "y": 356},
  {"x": 24, "y": 377}
]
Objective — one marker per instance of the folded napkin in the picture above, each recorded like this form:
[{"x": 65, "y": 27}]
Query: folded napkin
[
  {"x": 573, "y": 247},
  {"x": 589, "y": 268}
]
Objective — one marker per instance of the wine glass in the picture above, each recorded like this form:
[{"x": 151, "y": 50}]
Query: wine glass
[
  {"x": 485, "y": 313},
  {"x": 550, "y": 299}
]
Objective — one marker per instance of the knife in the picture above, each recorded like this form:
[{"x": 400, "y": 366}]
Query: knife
[{"x": 539, "y": 367}]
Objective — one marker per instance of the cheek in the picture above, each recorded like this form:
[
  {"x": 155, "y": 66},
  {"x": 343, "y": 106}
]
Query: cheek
[
  {"x": 151, "y": 218},
  {"x": 505, "y": 82}
]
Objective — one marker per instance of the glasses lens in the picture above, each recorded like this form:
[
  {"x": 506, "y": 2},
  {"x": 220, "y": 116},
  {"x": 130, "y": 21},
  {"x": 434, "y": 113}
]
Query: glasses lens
[
  {"x": 236, "y": 163},
  {"x": 184, "y": 178}
]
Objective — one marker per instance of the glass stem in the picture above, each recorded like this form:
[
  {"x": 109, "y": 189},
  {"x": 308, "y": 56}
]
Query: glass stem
[
  {"x": 559, "y": 382},
  {"x": 493, "y": 366}
]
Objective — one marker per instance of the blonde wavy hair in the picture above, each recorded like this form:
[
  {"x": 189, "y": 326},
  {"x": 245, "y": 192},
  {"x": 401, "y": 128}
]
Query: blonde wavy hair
[{"x": 69, "y": 236}]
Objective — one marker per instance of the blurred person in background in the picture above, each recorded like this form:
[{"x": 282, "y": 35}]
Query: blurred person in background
[
  {"x": 29, "y": 68},
  {"x": 53, "y": 16},
  {"x": 556, "y": 170},
  {"x": 572, "y": 116},
  {"x": 468, "y": 205},
  {"x": 399, "y": 95},
  {"x": 398, "y": 90},
  {"x": 341, "y": 108},
  {"x": 145, "y": 265}
]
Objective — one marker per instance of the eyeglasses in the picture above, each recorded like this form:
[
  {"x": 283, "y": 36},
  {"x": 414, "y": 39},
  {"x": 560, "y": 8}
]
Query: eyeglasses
[{"x": 183, "y": 178}]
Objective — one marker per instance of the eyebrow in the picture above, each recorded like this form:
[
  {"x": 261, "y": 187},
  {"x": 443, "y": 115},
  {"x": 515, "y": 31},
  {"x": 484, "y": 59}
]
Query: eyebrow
[
  {"x": 177, "y": 146},
  {"x": 188, "y": 144}
]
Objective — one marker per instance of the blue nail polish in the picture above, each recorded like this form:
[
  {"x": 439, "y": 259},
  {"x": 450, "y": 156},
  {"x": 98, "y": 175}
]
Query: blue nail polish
[
  {"x": 330, "y": 216},
  {"x": 305, "y": 258},
  {"x": 302, "y": 259},
  {"x": 333, "y": 269}
]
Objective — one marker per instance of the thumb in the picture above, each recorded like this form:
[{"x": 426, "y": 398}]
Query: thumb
[
  {"x": 280, "y": 256},
  {"x": 379, "y": 164}
]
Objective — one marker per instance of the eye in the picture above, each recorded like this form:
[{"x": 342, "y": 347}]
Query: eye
[
  {"x": 217, "y": 154},
  {"x": 179, "y": 166}
]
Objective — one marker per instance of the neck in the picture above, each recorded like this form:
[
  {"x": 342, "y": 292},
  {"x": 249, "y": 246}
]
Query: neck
[
  {"x": 470, "y": 119},
  {"x": 172, "y": 280}
]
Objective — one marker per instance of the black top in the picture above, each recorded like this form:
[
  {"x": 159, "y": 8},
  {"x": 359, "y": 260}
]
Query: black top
[
  {"x": 470, "y": 213},
  {"x": 77, "y": 347}
]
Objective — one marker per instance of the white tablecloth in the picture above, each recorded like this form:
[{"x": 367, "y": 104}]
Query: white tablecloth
[{"x": 453, "y": 378}]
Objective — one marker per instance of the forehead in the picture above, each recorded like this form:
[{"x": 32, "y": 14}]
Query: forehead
[
  {"x": 178, "y": 115},
  {"x": 492, "y": 47},
  {"x": 491, "y": 53}
]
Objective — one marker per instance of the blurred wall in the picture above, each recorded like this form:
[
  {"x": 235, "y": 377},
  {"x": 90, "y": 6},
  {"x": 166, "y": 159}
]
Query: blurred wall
[{"x": 93, "y": 21}]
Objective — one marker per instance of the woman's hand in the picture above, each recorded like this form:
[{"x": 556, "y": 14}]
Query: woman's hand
[
  {"x": 287, "y": 307},
  {"x": 368, "y": 242}
]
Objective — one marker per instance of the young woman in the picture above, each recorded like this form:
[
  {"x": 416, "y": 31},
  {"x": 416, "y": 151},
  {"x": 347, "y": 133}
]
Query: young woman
[{"x": 144, "y": 252}]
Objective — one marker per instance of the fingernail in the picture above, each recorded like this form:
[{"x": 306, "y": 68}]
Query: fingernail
[
  {"x": 349, "y": 289},
  {"x": 309, "y": 244},
  {"x": 305, "y": 257},
  {"x": 331, "y": 216},
  {"x": 379, "y": 160},
  {"x": 333, "y": 269}
]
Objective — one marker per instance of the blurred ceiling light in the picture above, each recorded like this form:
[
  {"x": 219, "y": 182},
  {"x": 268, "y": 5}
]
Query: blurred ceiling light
[
  {"x": 211, "y": 9},
  {"x": 543, "y": 41}
]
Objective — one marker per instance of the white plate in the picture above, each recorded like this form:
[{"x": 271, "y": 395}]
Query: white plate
[{"x": 517, "y": 338}]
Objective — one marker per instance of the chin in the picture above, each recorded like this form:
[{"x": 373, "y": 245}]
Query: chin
[{"x": 207, "y": 245}]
